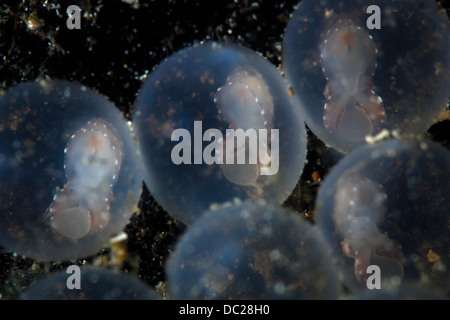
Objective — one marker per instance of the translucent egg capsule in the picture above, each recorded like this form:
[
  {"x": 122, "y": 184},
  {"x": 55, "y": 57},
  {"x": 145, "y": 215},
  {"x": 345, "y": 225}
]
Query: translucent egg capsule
[
  {"x": 387, "y": 205},
  {"x": 216, "y": 122},
  {"x": 69, "y": 170},
  {"x": 357, "y": 68},
  {"x": 89, "y": 283},
  {"x": 251, "y": 251}
]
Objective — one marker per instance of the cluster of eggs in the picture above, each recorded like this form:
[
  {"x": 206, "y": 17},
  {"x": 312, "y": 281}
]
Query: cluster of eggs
[{"x": 219, "y": 139}]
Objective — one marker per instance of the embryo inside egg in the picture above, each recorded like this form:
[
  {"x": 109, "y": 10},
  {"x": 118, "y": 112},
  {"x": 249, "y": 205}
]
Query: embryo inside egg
[
  {"x": 224, "y": 122},
  {"x": 245, "y": 102},
  {"x": 352, "y": 109},
  {"x": 71, "y": 170},
  {"x": 352, "y": 80},
  {"x": 93, "y": 157},
  {"x": 387, "y": 204}
]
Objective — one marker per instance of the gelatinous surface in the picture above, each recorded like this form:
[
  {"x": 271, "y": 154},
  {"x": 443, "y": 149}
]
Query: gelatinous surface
[
  {"x": 251, "y": 251},
  {"x": 70, "y": 170},
  {"x": 188, "y": 119},
  {"x": 95, "y": 284},
  {"x": 387, "y": 204},
  {"x": 352, "y": 81}
]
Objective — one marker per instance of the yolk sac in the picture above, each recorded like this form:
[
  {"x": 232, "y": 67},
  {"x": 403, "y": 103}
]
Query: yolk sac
[
  {"x": 251, "y": 251},
  {"x": 218, "y": 116},
  {"x": 351, "y": 80},
  {"x": 89, "y": 283},
  {"x": 70, "y": 171},
  {"x": 387, "y": 205}
]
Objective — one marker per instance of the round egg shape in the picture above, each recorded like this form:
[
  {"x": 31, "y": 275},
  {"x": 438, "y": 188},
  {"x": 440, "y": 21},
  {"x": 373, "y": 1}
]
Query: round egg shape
[
  {"x": 251, "y": 251},
  {"x": 357, "y": 68},
  {"x": 70, "y": 171},
  {"x": 385, "y": 210},
  {"x": 89, "y": 283},
  {"x": 215, "y": 122}
]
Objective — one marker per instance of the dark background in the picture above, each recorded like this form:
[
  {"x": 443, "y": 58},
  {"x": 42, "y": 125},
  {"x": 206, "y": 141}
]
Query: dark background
[{"x": 117, "y": 46}]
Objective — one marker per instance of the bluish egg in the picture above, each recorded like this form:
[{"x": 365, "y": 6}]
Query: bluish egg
[
  {"x": 89, "y": 283},
  {"x": 357, "y": 68},
  {"x": 215, "y": 122},
  {"x": 251, "y": 251},
  {"x": 388, "y": 205},
  {"x": 70, "y": 171}
]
